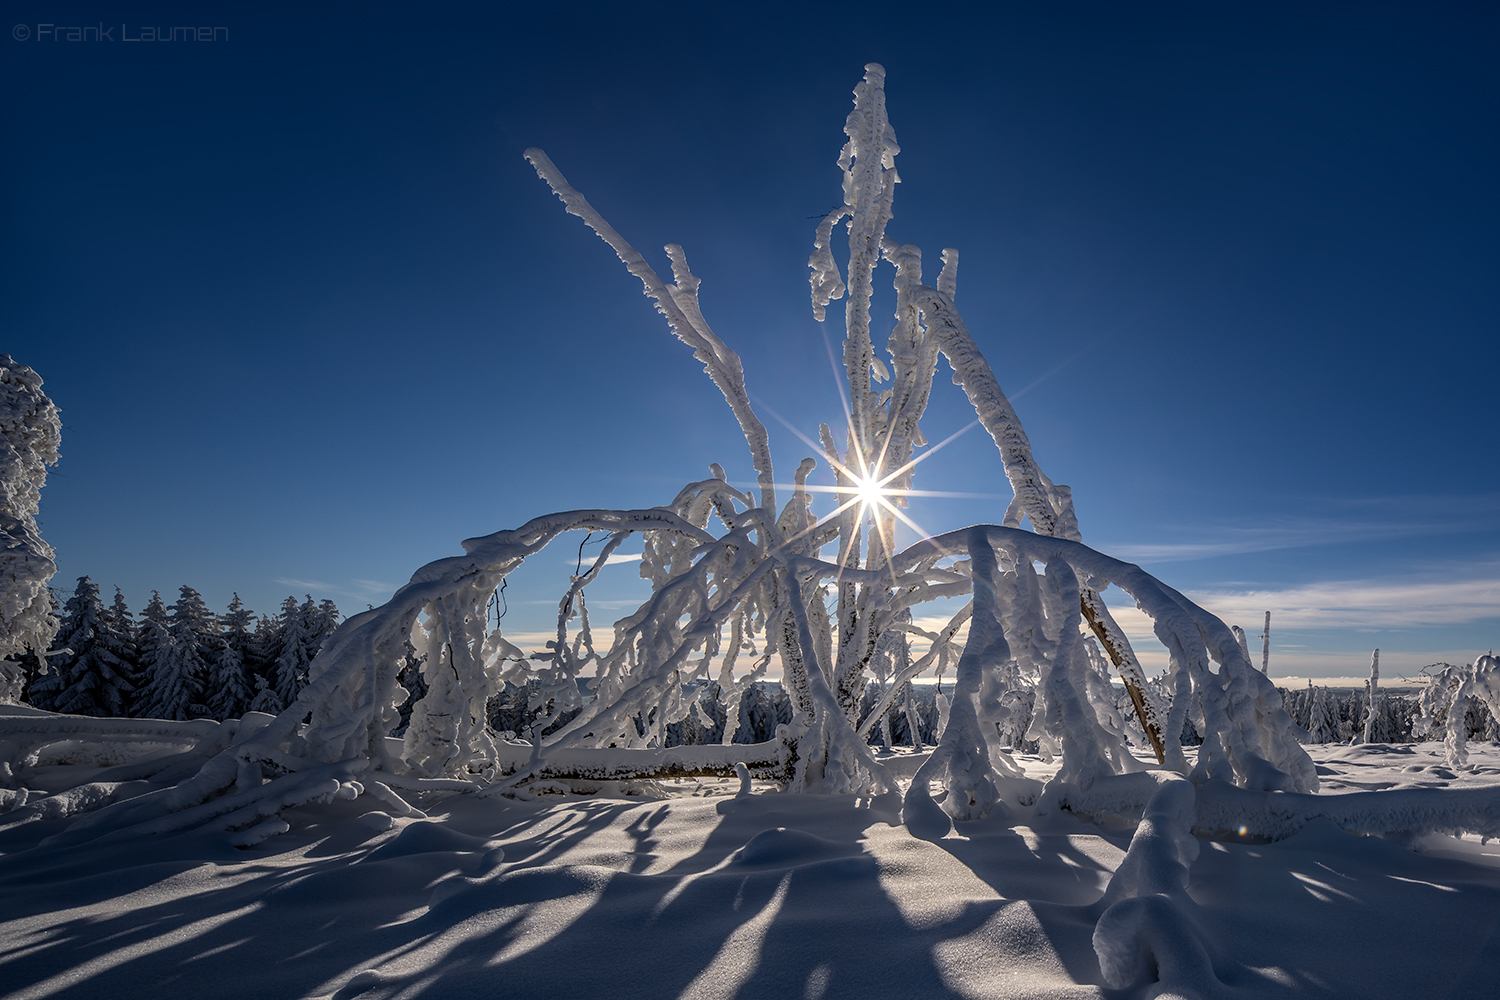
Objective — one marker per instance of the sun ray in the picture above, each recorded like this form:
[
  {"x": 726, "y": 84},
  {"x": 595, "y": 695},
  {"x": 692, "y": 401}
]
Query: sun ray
[
  {"x": 816, "y": 445},
  {"x": 919, "y": 459},
  {"x": 838, "y": 371}
]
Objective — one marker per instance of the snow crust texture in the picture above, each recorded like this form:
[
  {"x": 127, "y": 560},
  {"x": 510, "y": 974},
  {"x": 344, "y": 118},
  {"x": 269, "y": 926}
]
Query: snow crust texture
[{"x": 688, "y": 890}]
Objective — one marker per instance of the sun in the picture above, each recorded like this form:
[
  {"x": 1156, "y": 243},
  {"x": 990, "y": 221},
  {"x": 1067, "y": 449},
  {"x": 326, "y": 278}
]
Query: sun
[{"x": 870, "y": 492}]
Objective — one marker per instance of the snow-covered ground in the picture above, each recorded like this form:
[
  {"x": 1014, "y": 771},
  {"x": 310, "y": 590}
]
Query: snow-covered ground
[{"x": 687, "y": 889}]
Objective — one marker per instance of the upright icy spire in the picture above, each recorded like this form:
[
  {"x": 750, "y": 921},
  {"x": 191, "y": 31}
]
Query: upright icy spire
[{"x": 1374, "y": 708}]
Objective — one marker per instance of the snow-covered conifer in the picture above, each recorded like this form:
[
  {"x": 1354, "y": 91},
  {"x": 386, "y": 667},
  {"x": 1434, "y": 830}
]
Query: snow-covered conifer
[
  {"x": 260, "y": 660},
  {"x": 296, "y": 645},
  {"x": 174, "y": 646},
  {"x": 118, "y": 635},
  {"x": 93, "y": 678},
  {"x": 1323, "y": 717},
  {"x": 36, "y": 670},
  {"x": 153, "y": 638},
  {"x": 231, "y": 685},
  {"x": 30, "y": 431},
  {"x": 322, "y": 621}
]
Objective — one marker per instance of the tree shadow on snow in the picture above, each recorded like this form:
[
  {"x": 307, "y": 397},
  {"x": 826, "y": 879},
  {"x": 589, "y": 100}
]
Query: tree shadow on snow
[
  {"x": 761, "y": 908},
  {"x": 1331, "y": 914}
]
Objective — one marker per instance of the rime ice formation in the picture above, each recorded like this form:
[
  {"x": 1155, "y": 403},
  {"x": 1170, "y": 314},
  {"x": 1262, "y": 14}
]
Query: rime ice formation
[
  {"x": 1373, "y": 710},
  {"x": 30, "y": 431}
]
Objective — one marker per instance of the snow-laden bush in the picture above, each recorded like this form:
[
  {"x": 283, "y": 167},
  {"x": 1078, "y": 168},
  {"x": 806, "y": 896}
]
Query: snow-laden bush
[{"x": 1447, "y": 697}]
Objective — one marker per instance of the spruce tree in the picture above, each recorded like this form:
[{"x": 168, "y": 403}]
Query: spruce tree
[
  {"x": 176, "y": 649},
  {"x": 293, "y": 639},
  {"x": 118, "y": 636},
  {"x": 153, "y": 639},
  {"x": 232, "y": 686},
  {"x": 1323, "y": 717},
  {"x": 94, "y": 679},
  {"x": 261, "y": 655},
  {"x": 323, "y": 621},
  {"x": 327, "y": 622}
]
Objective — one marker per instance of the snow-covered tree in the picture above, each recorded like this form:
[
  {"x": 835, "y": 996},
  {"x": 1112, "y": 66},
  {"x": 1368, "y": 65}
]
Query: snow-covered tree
[
  {"x": 174, "y": 647},
  {"x": 30, "y": 432},
  {"x": 153, "y": 641},
  {"x": 94, "y": 676},
  {"x": 42, "y": 684},
  {"x": 260, "y": 657},
  {"x": 325, "y": 620},
  {"x": 298, "y": 637},
  {"x": 1323, "y": 717},
  {"x": 232, "y": 684},
  {"x": 1373, "y": 706},
  {"x": 118, "y": 635},
  {"x": 1445, "y": 701}
]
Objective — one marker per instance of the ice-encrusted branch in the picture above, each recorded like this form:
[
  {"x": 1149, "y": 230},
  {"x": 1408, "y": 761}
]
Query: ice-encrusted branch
[
  {"x": 870, "y": 182},
  {"x": 679, "y": 304},
  {"x": 927, "y": 323}
]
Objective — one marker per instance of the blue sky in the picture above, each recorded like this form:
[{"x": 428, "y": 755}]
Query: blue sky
[{"x": 312, "y": 320}]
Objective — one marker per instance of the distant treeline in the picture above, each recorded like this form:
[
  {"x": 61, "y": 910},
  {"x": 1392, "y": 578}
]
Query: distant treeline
[
  {"x": 177, "y": 662},
  {"x": 1329, "y": 717},
  {"x": 185, "y": 662},
  {"x": 1336, "y": 717}
]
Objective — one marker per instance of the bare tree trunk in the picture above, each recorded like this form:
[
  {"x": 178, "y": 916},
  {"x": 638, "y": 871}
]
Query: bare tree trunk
[{"x": 1130, "y": 671}]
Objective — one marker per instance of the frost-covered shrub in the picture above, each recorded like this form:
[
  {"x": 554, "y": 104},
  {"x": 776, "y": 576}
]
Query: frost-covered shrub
[{"x": 1446, "y": 702}]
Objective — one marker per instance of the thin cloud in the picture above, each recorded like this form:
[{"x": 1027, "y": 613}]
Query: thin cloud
[
  {"x": 1352, "y": 612},
  {"x": 1361, "y": 604},
  {"x": 1346, "y": 604},
  {"x": 358, "y": 589},
  {"x": 1368, "y": 519}
]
